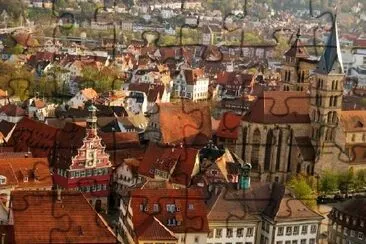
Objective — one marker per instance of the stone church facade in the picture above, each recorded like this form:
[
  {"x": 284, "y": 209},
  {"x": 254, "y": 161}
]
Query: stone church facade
[{"x": 302, "y": 129}]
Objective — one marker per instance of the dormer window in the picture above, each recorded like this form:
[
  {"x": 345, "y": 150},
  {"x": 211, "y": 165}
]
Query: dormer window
[{"x": 2, "y": 180}]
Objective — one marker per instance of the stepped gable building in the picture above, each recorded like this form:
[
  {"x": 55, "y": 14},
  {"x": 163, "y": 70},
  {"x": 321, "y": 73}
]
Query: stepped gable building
[
  {"x": 301, "y": 131},
  {"x": 89, "y": 170}
]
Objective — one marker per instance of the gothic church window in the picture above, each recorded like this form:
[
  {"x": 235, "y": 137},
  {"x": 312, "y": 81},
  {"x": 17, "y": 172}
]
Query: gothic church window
[{"x": 255, "y": 148}]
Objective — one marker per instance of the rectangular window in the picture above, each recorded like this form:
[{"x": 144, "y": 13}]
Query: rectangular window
[
  {"x": 218, "y": 233},
  {"x": 303, "y": 241},
  {"x": 294, "y": 242},
  {"x": 312, "y": 241},
  {"x": 313, "y": 229},
  {"x": 196, "y": 239},
  {"x": 239, "y": 232},
  {"x": 288, "y": 242},
  {"x": 296, "y": 230},
  {"x": 210, "y": 234},
  {"x": 229, "y": 232},
  {"x": 353, "y": 233},
  {"x": 250, "y": 232},
  {"x": 280, "y": 231},
  {"x": 279, "y": 242},
  {"x": 304, "y": 229},
  {"x": 360, "y": 235},
  {"x": 288, "y": 230},
  {"x": 82, "y": 173}
]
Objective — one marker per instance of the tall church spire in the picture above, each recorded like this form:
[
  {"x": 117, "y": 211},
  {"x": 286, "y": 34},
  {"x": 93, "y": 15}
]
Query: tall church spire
[{"x": 331, "y": 60}]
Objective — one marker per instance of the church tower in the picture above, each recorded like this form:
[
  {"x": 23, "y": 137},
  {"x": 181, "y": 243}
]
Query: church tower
[
  {"x": 326, "y": 94},
  {"x": 294, "y": 74}
]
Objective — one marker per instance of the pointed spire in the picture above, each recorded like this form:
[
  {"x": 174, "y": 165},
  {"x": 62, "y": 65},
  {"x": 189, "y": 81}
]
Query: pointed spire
[
  {"x": 331, "y": 60},
  {"x": 297, "y": 49}
]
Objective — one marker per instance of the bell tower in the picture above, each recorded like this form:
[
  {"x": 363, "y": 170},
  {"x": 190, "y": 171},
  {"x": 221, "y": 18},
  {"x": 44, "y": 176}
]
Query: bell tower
[
  {"x": 294, "y": 76},
  {"x": 326, "y": 94}
]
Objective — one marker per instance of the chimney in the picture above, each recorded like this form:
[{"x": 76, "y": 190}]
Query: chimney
[{"x": 3, "y": 238}]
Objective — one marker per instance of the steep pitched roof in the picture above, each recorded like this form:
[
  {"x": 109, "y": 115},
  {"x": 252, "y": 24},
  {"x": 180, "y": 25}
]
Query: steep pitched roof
[
  {"x": 35, "y": 169},
  {"x": 280, "y": 107},
  {"x": 35, "y": 219},
  {"x": 154, "y": 92},
  {"x": 180, "y": 160},
  {"x": 353, "y": 120},
  {"x": 331, "y": 60},
  {"x": 186, "y": 122},
  {"x": 153, "y": 229},
  {"x": 36, "y": 136},
  {"x": 229, "y": 126},
  {"x": 297, "y": 49},
  {"x": 192, "y": 219}
]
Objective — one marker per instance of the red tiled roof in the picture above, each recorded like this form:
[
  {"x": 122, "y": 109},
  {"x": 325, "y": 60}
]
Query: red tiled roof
[
  {"x": 191, "y": 75},
  {"x": 354, "y": 120},
  {"x": 153, "y": 92},
  {"x": 38, "y": 137},
  {"x": 40, "y": 218},
  {"x": 280, "y": 107},
  {"x": 185, "y": 122},
  {"x": 36, "y": 169},
  {"x": 233, "y": 78},
  {"x": 152, "y": 229},
  {"x": 180, "y": 160},
  {"x": 359, "y": 43},
  {"x": 229, "y": 126},
  {"x": 191, "y": 220}
]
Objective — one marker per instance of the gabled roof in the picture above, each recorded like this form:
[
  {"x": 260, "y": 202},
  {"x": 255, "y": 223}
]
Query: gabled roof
[
  {"x": 6, "y": 127},
  {"x": 353, "y": 120},
  {"x": 331, "y": 60},
  {"x": 283, "y": 207},
  {"x": 297, "y": 49},
  {"x": 35, "y": 219},
  {"x": 192, "y": 220},
  {"x": 36, "y": 136},
  {"x": 153, "y": 229},
  {"x": 280, "y": 107},
  {"x": 35, "y": 169},
  {"x": 229, "y": 126},
  {"x": 154, "y": 92},
  {"x": 185, "y": 122},
  {"x": 166, "y": 158}
]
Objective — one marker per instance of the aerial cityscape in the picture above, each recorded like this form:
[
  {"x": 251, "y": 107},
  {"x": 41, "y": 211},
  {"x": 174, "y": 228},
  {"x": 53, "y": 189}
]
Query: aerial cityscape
[{"x": 183, "y": 121}]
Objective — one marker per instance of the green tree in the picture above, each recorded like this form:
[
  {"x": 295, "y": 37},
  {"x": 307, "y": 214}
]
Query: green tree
[
  {"x": 302, "y": 190},
  {"x": 329, "y": 182}
]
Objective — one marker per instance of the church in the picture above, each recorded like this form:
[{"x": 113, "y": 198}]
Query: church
[{"x": 302, "y": 128}]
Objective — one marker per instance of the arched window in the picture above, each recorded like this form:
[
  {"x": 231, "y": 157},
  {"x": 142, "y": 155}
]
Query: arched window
[
  {"x": 353, "y": 137},
  {"x": 278, "y": 159},
  {"x": 269, "y": 143},
  {"x": 302, "y": 76},
  {"x": 335, "y": 101},
  {"x": 289, "y": 75},
  {"x": 331, "y": 101},
  {"x": 255, "y": 148}
]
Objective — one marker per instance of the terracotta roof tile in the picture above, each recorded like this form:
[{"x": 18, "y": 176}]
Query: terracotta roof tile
[
  {"x": 152, "y": 229},
  {"x": 177, "y": 161},
  {"x": 36, "y": 171},
  {"x": 229, "y": 126},
  {"x": 354, "y": 120},
  {"x": 33, "y": 135},
  {"x": 154, "y": 92},
  {"x": 280, "y": 107},
  {"x": 35, "y": 222},
  {"x": 191, "y": 219},
  {"x": 185, "y": 122}
]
